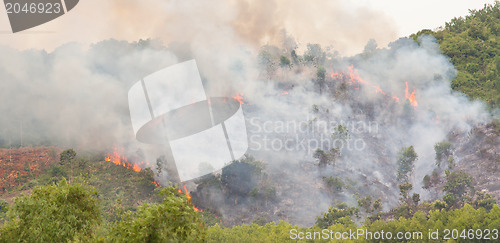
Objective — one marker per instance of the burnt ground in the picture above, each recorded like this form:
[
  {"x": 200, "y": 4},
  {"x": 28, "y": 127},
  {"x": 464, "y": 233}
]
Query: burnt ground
[
  {"x": 479, "y": 153},
  {"x": 19, "y": 165}
]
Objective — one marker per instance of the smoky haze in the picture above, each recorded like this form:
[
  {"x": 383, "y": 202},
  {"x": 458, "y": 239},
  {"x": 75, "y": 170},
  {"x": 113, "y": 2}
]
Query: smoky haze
[
  {"x": 203, "y": 23},
  {"x": 76, "y": 94}
]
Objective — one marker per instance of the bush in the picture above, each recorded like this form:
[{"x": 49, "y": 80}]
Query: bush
[
  {"x": 67, "y": 156},
  {"x": 56, "y": 213},
  {"x": 173, "y": 220}
]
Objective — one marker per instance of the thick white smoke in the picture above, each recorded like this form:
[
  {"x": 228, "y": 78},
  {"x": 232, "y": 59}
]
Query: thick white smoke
[{"x": 76, "y": 94}]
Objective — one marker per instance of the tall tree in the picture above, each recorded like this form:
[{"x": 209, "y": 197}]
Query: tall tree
[{"x": 406, "y": 163}]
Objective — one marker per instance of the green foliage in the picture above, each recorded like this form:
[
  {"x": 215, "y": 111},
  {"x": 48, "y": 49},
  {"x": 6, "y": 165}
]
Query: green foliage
[
  {"x": 443, "y": 151},
  {"x": 365, "y": 203},
  {"x": 472, "y": 45},
  {"x": 377, "y": 205},
  {"x": 320, "y": 78},
  {"x": 404, "y": 211},
  {"x": 484, "y": 200},
  {"x": 55, "y": 213},
  {"x": 427, "y": 182},
  {"x": 240, "y": 177},
  {"x": 3, "y": 206},
  {"x": 404, "y": 190},
  {"x": 461, "y": 219},
  {"x": 458, "y": 183},
  {"x": 314, "y": 55},
  {"x": 334, "y": 184},
  {"x": 285, "y": 62},
  {"x": 415, "y": 198},
  {"x": 431, "y": 181},
  {"x": 326, "y": 158},
  {"x": 337, "y": 215},
  {"x": 57, "y": 171},
  {"x": 340, "y": 132},
  {"x": 406, "y": 160},
  {"x": 173, "y": 220},
  {"x": 67, "y": 156}
]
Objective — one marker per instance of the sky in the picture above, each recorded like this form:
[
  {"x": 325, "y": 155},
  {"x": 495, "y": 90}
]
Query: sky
[
  {"x": 412, "y": 16},
  {"x": 345, "y": 25}
]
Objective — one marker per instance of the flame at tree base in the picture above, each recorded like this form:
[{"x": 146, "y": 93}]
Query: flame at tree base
[{"x": 188, "y": 197}]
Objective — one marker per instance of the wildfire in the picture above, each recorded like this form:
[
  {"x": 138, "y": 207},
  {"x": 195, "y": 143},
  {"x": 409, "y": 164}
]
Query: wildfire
[
  {"x": 284, "y": 93},
  {"x": 239, "y": 98},
  {"x": 188, "y": 197},
  {"x": 118, "y": 159},
  {"x": 410, "y": 97},
  {"x": 356, "y": 79},
  {"x": 335, "y": 75}
]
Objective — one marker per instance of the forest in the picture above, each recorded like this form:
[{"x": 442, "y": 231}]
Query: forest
[{"x": 79, "y": 196}]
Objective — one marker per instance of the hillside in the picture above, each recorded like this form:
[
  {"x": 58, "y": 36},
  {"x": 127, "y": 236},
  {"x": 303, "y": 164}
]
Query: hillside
[
  {"x": 473, "y": 45},
  {"x": 383, "y": 140},
  {"x": 17, "y": 166},
  {"x": 112, "y": 182}
]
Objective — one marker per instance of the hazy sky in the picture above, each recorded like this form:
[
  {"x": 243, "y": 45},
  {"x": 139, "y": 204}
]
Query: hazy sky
[
  {"x": 345, "y": 25},
  {"x": 412, "y": 16}
]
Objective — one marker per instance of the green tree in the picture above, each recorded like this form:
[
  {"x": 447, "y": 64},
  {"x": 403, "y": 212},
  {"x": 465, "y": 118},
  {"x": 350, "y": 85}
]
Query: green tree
[
  {"x": 67, "y": 156},
  {"x": 472, "y": 45},
  {"x": 285, "y": 62},
  {"x": 241, "y": 176},
  {"x": 326, "y": 158},
  {"x": 173, "y": 220},
  {"x": 366, "y": 203},
  {"x": 404, "y": 190},
  {"x": 443, "y": 151},
  {"x": 458, "y": 183},
  {"x": 334, "y": 184},
  {"x": 340, "y": 132},
  {"x": 55, "y": 213},
  {"x": 484, "y": 200},
  {"x": 337, "y": 215},
  {"x": 406, "y": 160},
  {"x": 377, "y": 205},
  {"x": 320, "y": 78}
]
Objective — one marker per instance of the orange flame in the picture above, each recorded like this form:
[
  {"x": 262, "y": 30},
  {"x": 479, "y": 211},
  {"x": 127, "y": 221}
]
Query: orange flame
[
  {"x": 410, "y": 97},
  {"x": 118, "y": 159},
  {"x": 356, "y": 79},
  {"x": 187, "y": 193},
  {"x": 188, "y": 197},
  {"x": 284, "y": 93},
  {"x": 239, "y": 98}
]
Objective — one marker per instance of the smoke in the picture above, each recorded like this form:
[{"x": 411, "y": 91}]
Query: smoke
[
  {"x": 75, "y": 94},
  {"x": 72, "y": 96},
  {"x": 251, "y": 23}
]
